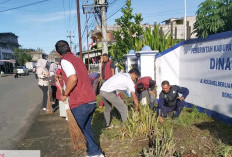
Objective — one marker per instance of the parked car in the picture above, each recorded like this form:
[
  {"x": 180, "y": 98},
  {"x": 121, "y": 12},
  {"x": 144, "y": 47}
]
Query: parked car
[{"x": 22, "y": 70}]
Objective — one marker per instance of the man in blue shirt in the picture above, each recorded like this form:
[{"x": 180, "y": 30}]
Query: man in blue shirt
[{"x": 169, "y": 100}]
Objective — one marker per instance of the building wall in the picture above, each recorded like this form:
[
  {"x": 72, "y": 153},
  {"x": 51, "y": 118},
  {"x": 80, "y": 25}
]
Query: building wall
[
  {"x": 8, "y": 42},
  {"x": 178, "y": 29}
]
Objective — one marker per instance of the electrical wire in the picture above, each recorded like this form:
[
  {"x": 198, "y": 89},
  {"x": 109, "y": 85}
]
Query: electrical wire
[{"x": 30, "y": 4}]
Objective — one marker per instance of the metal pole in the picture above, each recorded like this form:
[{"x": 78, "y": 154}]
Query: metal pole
[
  {"x": 79, "y": 28},
  {"x": 87, "y": 39},
  {"x": 185, "y": 20}
]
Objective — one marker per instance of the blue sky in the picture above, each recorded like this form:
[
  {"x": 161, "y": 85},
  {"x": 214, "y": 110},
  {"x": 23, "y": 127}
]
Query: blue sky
[{"x": 43, "y": 24}]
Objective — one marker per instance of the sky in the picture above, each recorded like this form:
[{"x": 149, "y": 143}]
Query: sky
[{"x": 41, "y": 23}]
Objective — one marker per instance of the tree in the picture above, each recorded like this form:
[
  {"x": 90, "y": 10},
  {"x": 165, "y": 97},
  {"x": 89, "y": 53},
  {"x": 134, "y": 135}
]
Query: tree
[
  {"x": 22, "y": 56},
  {"x": 129, "y": 32},
  {"x": 213, "y": 16},
  {"x": 156, "y": 39}
]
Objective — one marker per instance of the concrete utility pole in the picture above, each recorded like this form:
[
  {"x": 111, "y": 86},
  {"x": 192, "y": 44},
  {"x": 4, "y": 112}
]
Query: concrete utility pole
[
  {"x": 70, "y": 36},
  {"x": 87, "y": 39},
  {"x": 79, "y": 28},
  {"x": 104, "y": 27},
  {"x": 185, "y": 31}
]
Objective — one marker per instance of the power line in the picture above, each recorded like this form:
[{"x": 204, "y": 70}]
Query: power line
[
  {"x": 30, "y": 4},
  {"x": 5, "y": 1},
  {"x": 116, "y": 12}
]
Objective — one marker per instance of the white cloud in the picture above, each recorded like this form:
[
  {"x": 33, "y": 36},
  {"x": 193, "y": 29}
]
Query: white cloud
[{"x": 42, "y": 18}]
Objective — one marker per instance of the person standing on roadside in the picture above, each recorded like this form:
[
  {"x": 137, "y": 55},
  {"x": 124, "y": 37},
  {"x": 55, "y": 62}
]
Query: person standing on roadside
[
  {"x": 43, "y": 76},
  {"x": 107, "y": 70},
  {"x": 52, "y": 71},
  {"x": 82, "y": 98},
  {"x": 15, "y": 73}
]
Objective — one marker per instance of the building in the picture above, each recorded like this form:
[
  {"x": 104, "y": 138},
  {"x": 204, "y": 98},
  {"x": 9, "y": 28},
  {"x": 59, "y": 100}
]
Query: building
[
  {"x": 8, "y": 42},
  {"x": 175, "y": 26},
  {"x": 53, "y": 57}
]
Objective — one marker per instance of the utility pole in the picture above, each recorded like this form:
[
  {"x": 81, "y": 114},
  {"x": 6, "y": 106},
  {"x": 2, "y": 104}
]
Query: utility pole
[
  {"x": 87, "y": 38},
  {"x": 79, "y": 28},
  {"x": 70, "y": 36},
  {"x": 185, "y": 31},
  {"x": 104, "y": 27}
]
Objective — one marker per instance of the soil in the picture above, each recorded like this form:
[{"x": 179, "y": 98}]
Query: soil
[{"x": 49, "y": 133}]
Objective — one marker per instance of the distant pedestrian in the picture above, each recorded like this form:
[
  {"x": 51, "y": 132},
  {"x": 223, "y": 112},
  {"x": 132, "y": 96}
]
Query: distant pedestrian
[
  {"x": 43, "y": 76},
  {"x": 15, "y": 73},
  {"x": 107, "y": 70},
  {"x": 82, "y": 98},
  {"x": 52, "y": 72},
  {"x": 109, "y": 90},
  {"x": 169, "y": 100}
]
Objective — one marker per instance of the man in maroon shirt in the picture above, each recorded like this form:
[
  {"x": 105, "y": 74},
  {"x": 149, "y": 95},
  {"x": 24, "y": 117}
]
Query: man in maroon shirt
[
  {"x": 82, "y": 98},
  {"x": 145, "y": 85},
  {"x": 107, "y": 70}
]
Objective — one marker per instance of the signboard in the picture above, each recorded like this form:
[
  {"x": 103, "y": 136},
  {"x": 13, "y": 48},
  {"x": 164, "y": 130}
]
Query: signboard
[{"x": 204, "y": 66}]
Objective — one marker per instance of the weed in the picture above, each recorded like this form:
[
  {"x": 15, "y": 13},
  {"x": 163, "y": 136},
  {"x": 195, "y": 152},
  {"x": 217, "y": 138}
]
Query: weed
[
  {"x": 161, "y": 144},
  {"x": 225, "y": 151},
  {"x": 192, "y": 116},
  {"x": 139, "y": 123}
]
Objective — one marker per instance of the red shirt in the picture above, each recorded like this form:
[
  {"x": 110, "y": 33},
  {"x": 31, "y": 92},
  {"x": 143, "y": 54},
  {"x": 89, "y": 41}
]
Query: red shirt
[{"x": 145, "y": 81}]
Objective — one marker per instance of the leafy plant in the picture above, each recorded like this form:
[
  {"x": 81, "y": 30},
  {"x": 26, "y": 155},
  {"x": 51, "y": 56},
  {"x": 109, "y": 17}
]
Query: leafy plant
[
  {"x": 139, "y": 123},
  {"x": 213, "y": 16},
  {"x": 130, "y": 30},
  {"x": 161, "y": 144},
  {"x": 225, "y": 151}
]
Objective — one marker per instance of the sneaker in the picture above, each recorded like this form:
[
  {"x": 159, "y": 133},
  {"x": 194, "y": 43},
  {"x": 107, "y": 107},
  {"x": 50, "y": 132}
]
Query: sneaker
[
  {"x": 44, "y": 109},
  {"x": 109, "y": 126},
  {"x": 101, "y": 155}
]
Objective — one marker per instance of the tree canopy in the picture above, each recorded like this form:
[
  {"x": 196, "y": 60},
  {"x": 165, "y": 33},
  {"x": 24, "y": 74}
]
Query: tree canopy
[
  {"x": 21, "y": 56},
  {"x": 213, "y": 16}
]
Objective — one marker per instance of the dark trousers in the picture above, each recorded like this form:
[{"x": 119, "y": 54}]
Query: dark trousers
[
  {"x": 53, "y": 93},
  {"x": 163, "y": 110},
  {"x": 83, "y": 115},
  {"x": 16, "y": 76},
  {"x": 45, "y": 95}
]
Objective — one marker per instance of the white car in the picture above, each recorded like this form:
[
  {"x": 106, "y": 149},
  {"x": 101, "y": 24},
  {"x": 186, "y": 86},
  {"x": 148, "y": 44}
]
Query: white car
[{"x": 22, "y": 70}]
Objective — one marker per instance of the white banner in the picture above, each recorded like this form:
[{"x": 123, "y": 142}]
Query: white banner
[{"x": 204, "y": 66}]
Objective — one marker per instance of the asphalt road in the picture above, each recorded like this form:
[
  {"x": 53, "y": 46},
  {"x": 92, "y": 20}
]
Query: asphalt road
[{"x": 20, "y": 101}]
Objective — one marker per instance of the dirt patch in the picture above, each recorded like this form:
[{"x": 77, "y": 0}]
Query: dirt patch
[{"x": 50, "y": 134}]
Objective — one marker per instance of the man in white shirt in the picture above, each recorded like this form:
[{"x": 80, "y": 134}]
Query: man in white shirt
[{"x": 108, "y": 92}]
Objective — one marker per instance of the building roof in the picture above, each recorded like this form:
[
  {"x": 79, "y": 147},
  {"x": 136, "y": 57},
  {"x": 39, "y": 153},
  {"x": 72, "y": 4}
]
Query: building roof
[{"x": 7, "y": 34}]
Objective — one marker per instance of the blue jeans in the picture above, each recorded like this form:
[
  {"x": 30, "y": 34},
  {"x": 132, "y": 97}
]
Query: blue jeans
[{"x": 83, "y": 115}]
